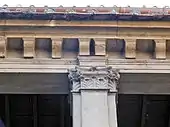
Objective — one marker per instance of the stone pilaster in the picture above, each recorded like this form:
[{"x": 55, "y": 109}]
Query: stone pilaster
[{"x": 94, "y": 92}]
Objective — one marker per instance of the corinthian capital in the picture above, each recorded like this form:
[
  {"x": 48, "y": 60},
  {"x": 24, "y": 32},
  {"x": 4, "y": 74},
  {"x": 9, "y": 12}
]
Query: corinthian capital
[
  {"x": 94, "y": 78},
  {"x": 75, "y": 79},
  {"x": 113, "y": 78}
]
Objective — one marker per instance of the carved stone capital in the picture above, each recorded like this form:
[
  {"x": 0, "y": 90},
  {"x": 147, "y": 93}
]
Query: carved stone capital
[
  {"x": 75, "y": 78},
  {"x": 94, "y": 78}
]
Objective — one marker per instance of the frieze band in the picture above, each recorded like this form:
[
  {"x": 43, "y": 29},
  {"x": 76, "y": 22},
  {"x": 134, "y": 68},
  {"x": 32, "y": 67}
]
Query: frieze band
[{"x": 94, "y": 78}]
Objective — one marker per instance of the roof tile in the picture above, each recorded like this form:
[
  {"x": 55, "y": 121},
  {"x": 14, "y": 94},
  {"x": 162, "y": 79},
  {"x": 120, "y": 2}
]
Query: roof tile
[
  {"x": 85, "y": 13},
  {"x": 88, "y": 9}
]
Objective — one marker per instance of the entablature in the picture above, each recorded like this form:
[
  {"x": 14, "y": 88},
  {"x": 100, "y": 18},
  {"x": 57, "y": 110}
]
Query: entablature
[{"x": 55, "y": 46}]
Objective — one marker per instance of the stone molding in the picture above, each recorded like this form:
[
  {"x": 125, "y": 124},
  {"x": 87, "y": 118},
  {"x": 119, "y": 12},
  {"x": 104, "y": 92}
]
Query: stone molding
[{"x": 94, "y": 78}]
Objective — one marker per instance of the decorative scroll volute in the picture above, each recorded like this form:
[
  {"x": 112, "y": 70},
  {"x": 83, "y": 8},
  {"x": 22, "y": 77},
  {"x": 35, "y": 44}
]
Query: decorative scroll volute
[
  {"x": 94, "y": 78},
  {"x": 75, "y": 76},
  {"x": 2, "y": 47}
]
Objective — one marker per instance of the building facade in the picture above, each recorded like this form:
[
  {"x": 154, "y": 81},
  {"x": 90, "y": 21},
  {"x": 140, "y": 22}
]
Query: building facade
[{"x": 92, "y": 55}]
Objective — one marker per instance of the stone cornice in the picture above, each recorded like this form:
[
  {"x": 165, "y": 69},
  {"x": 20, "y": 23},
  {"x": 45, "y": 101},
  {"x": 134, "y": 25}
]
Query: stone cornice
[
  {"x": 140, "y": 66},
  {"x": 89, "y": 32},
  {"x": 62, "y": 65},
  {"x": 36, "y": 65},
  {"x": 100, "y": 32},
  {"x": 62, "y": 23}
]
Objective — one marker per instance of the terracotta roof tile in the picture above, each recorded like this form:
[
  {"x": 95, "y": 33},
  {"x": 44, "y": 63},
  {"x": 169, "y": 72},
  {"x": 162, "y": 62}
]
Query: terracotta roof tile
[
  {"x": 88, "y": 9},
  {"x": 85, "y": 13}
]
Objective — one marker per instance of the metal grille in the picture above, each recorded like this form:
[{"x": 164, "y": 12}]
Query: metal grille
[{"x": 35, "y": 110}]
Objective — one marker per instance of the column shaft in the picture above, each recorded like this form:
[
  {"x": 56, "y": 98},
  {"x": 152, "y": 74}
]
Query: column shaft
[
  {"x": 112, "y": 110},
  {"x": 94, "y": 108},
  {"x": 94, "y": 97},
  {"x": 76, "y": 109}
]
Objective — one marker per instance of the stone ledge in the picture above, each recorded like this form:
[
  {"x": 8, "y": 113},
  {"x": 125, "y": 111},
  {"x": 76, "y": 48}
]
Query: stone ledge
[
  {"x": 92, "y": 60},
  {"x": 62, "y": 65}
]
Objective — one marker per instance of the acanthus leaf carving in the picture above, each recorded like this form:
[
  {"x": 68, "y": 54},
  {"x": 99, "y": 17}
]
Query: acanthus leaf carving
[
  {"x": 74, "y": 76},
  {"x": 94, "y": 78},
  {"x": 113, "y": 76},
  {"x": 94, "y": 82}
]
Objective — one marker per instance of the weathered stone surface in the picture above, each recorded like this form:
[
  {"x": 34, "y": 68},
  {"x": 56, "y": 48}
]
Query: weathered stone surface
[
  {"x": 160, "y": 48},
  {"x": 2, "y": 46},
  {"x": 84, "y": 46},
  {"x": 100, "y": 46},
  {"x": 29, "y": 47},
  {"x": 130, "y": 49},
  {"x": 94, "y": 109},
  {"x": 56, "y": 47},
  {"x": 76, "y": 109}
]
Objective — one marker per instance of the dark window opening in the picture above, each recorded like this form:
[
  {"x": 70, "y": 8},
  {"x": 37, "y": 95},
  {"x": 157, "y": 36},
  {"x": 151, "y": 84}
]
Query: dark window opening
[
  {"x": 35, "y": 110},
  {"x": 143, "y": 110}
]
